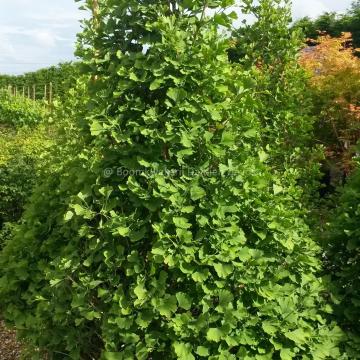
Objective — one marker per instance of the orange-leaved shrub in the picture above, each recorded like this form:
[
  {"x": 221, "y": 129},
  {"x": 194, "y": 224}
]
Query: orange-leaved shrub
[{"x": 335, "y": 78}]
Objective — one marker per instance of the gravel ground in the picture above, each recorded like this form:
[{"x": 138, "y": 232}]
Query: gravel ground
[{"x": 10, "y": 349}]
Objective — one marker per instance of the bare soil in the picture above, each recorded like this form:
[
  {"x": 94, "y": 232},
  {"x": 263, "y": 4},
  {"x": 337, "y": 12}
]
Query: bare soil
[{"x": 10, "y": 348}]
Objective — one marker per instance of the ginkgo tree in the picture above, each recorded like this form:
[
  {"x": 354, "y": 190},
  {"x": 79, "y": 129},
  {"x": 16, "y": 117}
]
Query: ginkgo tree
[
  {"x": 166, "y": 234},
  {"x": 281, "y": 88}
]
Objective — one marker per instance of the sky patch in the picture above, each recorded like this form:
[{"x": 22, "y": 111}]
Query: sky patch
[{"x": 41, "y": 33}]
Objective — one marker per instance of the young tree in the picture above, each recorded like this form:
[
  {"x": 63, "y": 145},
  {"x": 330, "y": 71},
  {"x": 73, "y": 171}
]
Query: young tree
[
  {"x": 281, "y": 87},
  {"x": 168, "y": 235}
]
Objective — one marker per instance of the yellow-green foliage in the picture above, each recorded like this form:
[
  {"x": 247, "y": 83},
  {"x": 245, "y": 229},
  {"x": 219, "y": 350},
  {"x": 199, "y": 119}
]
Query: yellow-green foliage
[
  {"x": 19, "y": 111},
  {"x": 23, "y": 154},
  {"x": 28, "y": 142}
]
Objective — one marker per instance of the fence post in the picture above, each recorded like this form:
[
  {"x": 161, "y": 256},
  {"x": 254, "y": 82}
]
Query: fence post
[
  {"x": 45, "y": 91},
  {"x": 34, "y": 92},
  {"x": 50, "y": 92}
]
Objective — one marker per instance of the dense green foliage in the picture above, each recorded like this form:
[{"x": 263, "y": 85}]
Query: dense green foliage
[
  {"x": 333, "y": 24},
  {"x": 23, "y": 143},
  {"x": 17, "y": 178},
  {"x": 63, "y": 77},
  {"x": 167, "y": 231},
  {"x": 281, "y": 87},
  {"x": 342, "y": 243},
  {"x": 18, "y": 111}
]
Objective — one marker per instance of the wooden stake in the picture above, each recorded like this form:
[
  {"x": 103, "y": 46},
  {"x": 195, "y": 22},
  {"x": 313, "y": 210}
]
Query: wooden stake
[
  {"x": 45, "y": 92},
  {"x": 34, "y": 92},
  {"x": 51, "y": 93}
]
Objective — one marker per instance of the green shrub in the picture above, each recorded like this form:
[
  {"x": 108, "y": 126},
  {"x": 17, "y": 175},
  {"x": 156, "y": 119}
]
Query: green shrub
[
  {"x": 6, "y": 231},
  {"x": 342, "y": 242},
  {"x": 20, "y": 111},
  {"x": 16, "y": 180},
  {"x": 22, "y": 155},
  {"x": 167, "y": 235},
  {"x": 270, "y": 50}
]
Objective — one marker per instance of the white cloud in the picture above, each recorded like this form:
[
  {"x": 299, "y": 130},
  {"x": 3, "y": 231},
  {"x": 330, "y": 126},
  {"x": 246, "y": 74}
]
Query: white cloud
[
  {"x": 6, "y": 48},
  {"x": 45, "y": 38},
  {"x": 311, "y": 8},
  {"x": 34, "y": 34}
]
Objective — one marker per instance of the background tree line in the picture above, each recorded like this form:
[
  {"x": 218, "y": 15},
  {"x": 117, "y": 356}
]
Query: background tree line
[
  {"x": 62, "y": 76},
  {"x": 333, "y": 24}
]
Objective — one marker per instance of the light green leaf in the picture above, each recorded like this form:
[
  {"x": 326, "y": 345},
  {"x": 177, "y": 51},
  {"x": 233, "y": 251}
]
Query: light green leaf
[
  {"x": 181, "y": 223},
  {"x": 176, "y": 94},
  {"x": 223, "y": 270},
  {"x": 277, "y": 189},
  {"x": 156, "y": 84},
  {"x": 286, "y": 354},
  {"x": 91, "y": 315},
  {"x": 113, "y": 355},
  {"x": 250, "y": 133},
  {"x": 225, "y": 298},
  {"x": 81, "y": 211},
  {"x": 222, "y": 88},
  {"x": 202, "y": 351},
  {"x": 167, "y": 305},
  {"x": 140, "y": 292},
  {"x": 244, "y": 254},
  {"x": 233, "y": 15},
  {"x": 187, "y": 209},
  {"x": 68, "y": 216},
  {"x": 214, "y": 334},
  {"x": 183, "y": 351},
  {"x": 221, "y": 19},
  {"x": 123, "y": 230},
  {"x": 263, "y": 155},
  {"x": 55, "y": 282},
  {"x": 133, "y": 76},
  {"x": 298, "y": 336},
  {"x": 183, "y": 300},
  {"x": 197, "y": 192},
  {"x": 96, "y": 128},
  {"x": 200, "y": 276},
  {"x": 186, "y": 140},
  {"x": 269, "y": 328},
  {"x": 228, "y": 138}
]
